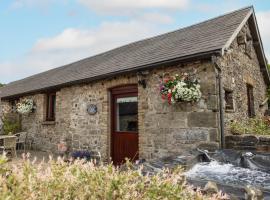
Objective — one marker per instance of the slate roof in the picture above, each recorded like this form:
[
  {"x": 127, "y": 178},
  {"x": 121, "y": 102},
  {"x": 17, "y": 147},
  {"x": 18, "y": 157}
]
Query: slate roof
[{"x": 206, "y": 37}]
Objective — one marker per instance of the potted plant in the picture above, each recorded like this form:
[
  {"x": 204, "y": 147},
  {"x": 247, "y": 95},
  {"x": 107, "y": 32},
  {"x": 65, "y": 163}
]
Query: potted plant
[
  {"x": 180, "y": 88},
  {"x": 26, "y": 106}
]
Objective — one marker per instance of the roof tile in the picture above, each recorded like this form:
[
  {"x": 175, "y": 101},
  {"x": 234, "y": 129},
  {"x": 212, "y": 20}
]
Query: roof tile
[{"x": 203, "y": 37}]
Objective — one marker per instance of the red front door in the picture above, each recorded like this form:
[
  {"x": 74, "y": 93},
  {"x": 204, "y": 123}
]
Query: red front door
[{"x": 124, "y": 124}]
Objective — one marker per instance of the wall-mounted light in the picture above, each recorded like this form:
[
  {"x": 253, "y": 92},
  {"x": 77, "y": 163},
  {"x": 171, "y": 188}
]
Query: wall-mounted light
[{"x": 142, "y": 78}]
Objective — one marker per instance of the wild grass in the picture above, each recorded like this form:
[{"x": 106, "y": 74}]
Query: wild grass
[
  {"x": 254, "y": 126},
  {"x": 85, "y": 180}
]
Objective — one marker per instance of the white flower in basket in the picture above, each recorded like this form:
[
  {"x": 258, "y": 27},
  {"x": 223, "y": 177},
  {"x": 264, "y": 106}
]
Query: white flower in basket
[
  {"x": 184, "y": 88},
  {"x": 25, "y": 107}
]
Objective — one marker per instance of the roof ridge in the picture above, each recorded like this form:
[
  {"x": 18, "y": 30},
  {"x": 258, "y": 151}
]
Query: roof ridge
[
  {"x": 214, "y": 18},
  {"x": 236, "y": 32},
  {"x": 170, "y": 32}
]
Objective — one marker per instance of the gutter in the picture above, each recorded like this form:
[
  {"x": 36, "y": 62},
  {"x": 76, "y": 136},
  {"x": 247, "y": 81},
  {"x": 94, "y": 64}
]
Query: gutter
[{"x": 221, "y": 109}]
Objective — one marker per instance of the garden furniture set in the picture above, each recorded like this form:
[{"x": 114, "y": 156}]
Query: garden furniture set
[{"x": 9, "y": 143}]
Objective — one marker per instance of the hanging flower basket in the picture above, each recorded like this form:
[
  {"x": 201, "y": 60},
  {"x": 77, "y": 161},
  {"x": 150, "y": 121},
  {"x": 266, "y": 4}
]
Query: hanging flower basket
[
  {"x": 25, "y": 107},
  {"x": 184, "y": 88}
]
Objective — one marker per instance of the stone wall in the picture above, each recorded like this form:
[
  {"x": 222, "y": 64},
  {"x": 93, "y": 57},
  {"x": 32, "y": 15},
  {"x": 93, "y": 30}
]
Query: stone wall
[
  {"x": 73, "y": 123},
  {"x": 5, "y": 107},
  {"x": 163, "y": 129},
  {"x": 248, "y": 142},
  {"x": 172, "y": 129},
  {"x": 240, "y": 66}
]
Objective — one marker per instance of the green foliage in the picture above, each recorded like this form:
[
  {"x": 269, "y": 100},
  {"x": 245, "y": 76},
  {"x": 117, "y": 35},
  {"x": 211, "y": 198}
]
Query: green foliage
[
  {"x": 251, "y": 126},
  {"x": 85, "y": 180},
  {"x": 1, "y": 84},
  {"x": 268, "y": 94},
  {"x": 3, "y": 168},
  {"x": 238, "y": 128},
  {"x": 11, "y": 126}
]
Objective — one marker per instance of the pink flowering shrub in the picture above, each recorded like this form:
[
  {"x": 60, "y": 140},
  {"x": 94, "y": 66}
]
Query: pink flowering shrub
[{"x": 85, "y": 180}]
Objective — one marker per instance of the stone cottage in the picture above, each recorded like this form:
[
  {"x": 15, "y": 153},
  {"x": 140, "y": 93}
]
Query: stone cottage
[{"x": 111, "y": 102}]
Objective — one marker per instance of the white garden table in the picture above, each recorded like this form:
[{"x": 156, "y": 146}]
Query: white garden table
[{"x": 8, "y": 142}]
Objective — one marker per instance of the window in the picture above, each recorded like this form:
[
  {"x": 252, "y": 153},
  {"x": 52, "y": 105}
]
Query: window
[
  {"x": 250, "y": 101},
  {"x": 127, "y": 114},
  {"x": 51, "y": 102},
  {"x": 229, "y": 100},
  {"x": 13, "y": 104}
]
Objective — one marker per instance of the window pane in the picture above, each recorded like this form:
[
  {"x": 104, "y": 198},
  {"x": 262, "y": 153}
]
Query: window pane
[
  {"x": 53, "y": 106},
  {"x": 127, "y": 114},
  {"x": 228, "y": 100},
  {"x": 250, "y": 98},
  {"x": 48, "y": 107},
  {"x": 51, "y": 100}
]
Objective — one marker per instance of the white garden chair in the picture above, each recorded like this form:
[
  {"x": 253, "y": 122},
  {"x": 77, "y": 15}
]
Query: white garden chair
[{"x": 21, "y": 139}]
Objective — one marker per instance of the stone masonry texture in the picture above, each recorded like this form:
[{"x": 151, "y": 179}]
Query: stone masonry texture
[
  {"x": 240, "y": 67},
  {"x": 164, "y": 129},
  {"x": 248, "y": 142}
]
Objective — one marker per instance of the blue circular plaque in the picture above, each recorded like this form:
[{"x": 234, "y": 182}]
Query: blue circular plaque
[{"x": 92, "y": 109}]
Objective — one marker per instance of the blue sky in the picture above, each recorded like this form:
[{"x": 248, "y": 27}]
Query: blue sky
[{"x": 38, "y": 35}]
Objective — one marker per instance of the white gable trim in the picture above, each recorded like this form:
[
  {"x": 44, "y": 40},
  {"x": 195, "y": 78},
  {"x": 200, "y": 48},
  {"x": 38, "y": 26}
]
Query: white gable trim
[
  {"x": 236, "y": 32},
  {"x": 263, "y": 60}
]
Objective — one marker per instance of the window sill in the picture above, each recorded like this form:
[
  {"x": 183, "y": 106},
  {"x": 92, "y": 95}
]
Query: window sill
[
  {"x": 229, "y": 110},
  {"x": 48, "y": 123}
]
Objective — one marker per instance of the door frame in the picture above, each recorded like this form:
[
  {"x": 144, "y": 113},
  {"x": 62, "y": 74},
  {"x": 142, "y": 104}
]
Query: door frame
[{"x": 120, "y": 90}]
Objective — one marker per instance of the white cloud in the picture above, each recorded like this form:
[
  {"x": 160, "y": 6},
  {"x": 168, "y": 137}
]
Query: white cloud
[
  {"x": 132, "y": 6},
  {"x": 264, "y": 24},
  {"x": 108, "y": 35},
  {"x": 69, "y": 39},
  {"x": 73, "y": 44}
]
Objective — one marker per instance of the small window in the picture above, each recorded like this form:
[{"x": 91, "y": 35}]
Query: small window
[
  {"x": 250, "y": 101},
  {"x": 51, "y": 103},
  {"x": 229, "y": 100},
  {"x": 13, "y": 104},
  {"x": 127, "y": 114}
]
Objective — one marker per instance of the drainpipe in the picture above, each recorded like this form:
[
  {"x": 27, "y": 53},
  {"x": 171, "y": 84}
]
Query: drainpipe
[{"x": 221, "y": 109}]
